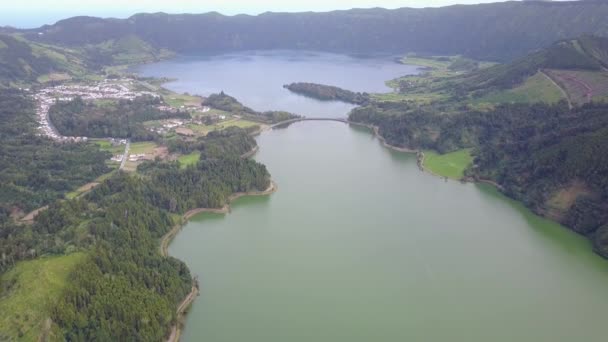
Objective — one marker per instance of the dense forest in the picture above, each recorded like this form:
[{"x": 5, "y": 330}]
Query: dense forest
[
  {"x": 228, "y": 103},
  {"x": 126, "y": 290},
  {"x": 328, "y": 93},
  {"x": 229, "y": 141},
  {"x": 119, "y": 119},
  {"x": 135, "y": 215},
  {"x": 34, "y": 170},
  {"x": 533, "y": 151},
  {"x": 497, "y": 31}
]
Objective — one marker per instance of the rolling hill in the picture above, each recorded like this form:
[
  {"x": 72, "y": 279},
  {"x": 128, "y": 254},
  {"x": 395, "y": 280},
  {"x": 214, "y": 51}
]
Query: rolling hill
[
  {"x": 23, "y": 61},
  {"x": 585, "y": 53}
]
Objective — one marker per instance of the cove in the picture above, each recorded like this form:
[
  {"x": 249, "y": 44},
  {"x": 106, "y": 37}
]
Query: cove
[{"x": 359, "y": 245}]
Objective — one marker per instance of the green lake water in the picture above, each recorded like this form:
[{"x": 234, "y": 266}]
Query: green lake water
[{"x": 358, "y": 244}]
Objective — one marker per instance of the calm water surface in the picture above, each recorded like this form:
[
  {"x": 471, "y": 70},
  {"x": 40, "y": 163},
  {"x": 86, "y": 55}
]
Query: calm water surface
[
  {"x": 359, "y": 245},
  {"x": 256, "y": 78}
]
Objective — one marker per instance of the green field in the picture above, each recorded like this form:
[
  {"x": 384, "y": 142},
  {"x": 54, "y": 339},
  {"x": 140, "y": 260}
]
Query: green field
[
  {"x": 451, "y": 165},
  {"x": 189, "y": 159},
  {"x": 537, "y": 88},
  {"x": 27, "y": 293},
  {"x": 178, "y": 100},
  {"x": 204, "y": 129},
  {"x": 142, "y": 147},
  {"x": 105, "y": 145},
  {"x": 419, "y": 98}
]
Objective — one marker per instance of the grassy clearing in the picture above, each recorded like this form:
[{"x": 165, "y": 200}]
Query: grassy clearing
[
  {"x": 149, "y": 148},
  {"x": 451, "y": 165},
  {"x": 27, "y": 293},
  {"x": 178, "y": 100},
  {"x": 421, "y": 98},
  {"x": 204, "y": 129},
  {"x": 536, "y": 89},
  {"x": 105, "y": 145},
  {"x": 142, "y": 147},
  {"x": 189, "y": 159}
]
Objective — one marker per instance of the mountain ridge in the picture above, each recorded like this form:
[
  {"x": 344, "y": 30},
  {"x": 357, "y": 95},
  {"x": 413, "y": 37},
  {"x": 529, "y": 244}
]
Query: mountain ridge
[{"x": 498, "y": 31}]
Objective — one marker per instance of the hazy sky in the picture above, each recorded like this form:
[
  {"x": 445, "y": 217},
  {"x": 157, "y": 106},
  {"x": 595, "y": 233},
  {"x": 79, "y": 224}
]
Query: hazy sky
[{"x": 31, "y": 13}]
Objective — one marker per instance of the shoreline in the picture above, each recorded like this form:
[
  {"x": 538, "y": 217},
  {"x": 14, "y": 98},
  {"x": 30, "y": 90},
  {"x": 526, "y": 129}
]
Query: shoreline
[
  {"x": 170, "y": 235},
  {"x": 421, "y": 157},
  {"x": 176, "y": 330},
  {"x": 166, "y": 240}
]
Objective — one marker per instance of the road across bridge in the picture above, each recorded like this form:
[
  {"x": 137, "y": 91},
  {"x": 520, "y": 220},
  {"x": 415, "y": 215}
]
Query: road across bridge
[{"x": 287, "y": 122}]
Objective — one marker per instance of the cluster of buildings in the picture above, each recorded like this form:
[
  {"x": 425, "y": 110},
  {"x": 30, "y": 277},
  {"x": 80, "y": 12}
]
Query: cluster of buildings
[
  {"x": 106, "y": 89},
  {"x": 44, "y": 103},
  {"x": 167, "y": 125},
  {"x": 116, "y": 90}
]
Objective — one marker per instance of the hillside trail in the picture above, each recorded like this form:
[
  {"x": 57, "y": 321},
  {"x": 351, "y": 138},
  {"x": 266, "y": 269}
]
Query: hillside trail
[{"x": 563, "y": 91}]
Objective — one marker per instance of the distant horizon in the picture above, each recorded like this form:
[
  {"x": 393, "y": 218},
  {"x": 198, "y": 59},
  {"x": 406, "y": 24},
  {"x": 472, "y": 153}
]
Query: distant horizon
[{"x": 19, "y": 15}]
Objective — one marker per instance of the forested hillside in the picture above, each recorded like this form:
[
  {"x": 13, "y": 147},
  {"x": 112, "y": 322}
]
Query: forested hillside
[
  {"x": 125, "y": 289},
  {"x": 328, "y": 93},
  {"x": 34, "y": 170},
  {"x": 499, "y": 31},
  {"x": 551, "y": 158},
  {"x": 228, "y": 103},
  {"x": 544, "y": 152},
  {"x": 229, "y": 141}
]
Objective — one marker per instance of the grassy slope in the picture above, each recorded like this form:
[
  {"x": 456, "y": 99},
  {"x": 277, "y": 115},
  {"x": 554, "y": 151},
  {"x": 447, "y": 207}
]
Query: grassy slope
[
  {"x": 67, "y": 63},
  {"x": 129, "y": 50},
  {"x": 535, "y": 89},
  {"x": 451, "y": 165},
  {"x": 142, "y": 147},
  {"x": 27, "y": 292}
]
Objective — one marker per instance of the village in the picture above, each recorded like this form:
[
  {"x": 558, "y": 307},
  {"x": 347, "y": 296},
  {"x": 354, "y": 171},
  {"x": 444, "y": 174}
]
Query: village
[
  {"x": 203, "y": 120},
  {"x": 106, "y": 89}
]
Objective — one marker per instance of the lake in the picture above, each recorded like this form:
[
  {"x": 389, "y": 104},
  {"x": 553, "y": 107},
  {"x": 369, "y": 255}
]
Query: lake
[
  {"x": 256, "y": 78},
  {"x": 359, "y": 245}
]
